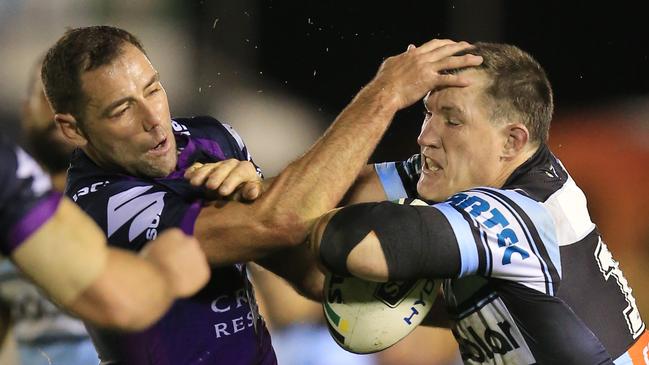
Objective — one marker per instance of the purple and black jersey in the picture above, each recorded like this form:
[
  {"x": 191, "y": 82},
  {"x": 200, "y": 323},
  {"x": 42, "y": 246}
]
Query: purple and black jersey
[
  {"x": 218, "y": 325},
  {"x": 26, "y": 199}
]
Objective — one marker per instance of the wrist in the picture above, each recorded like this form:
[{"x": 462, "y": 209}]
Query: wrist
[{"x": 382, "y": 95}]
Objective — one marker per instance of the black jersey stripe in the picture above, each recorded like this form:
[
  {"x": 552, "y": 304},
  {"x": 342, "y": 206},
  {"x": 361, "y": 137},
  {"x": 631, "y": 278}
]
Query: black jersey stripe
[
  {"x": 408, "y": 182},
  {"x": 535, "y": 239},
  {"x": 475, "y": 231},
  {"x": 554, "y": 273},
  {"x": 510, "y": 206},
  {"x": 489, "y": 257}
]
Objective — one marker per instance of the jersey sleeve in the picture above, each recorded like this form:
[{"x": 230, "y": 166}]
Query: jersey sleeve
[
  {"x": 26, "y": 199},
  {"x": 399, "y": 179},
  {"x": 132, "y": 213},
  {"x": 505, "y": 235}
]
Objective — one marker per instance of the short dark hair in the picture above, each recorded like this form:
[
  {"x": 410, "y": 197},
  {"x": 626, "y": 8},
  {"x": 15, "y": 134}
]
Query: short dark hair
[
  {"x": 77, "y": 51},
  {"x": 519, "y": 87}
]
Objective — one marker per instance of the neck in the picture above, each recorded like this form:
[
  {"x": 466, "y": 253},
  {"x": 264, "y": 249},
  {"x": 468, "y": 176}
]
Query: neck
[
  {"x": 104, "y": 165},
  {"x": 515, "y": 162},
  {"x": 59, "y": 180}
]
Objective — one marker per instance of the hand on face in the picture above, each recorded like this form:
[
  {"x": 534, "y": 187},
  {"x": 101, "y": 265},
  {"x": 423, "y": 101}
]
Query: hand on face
[
  {"x": 229, "y": 179},
  {"x": 181, "y": 259},
  {"x": 410, "y": 75}
]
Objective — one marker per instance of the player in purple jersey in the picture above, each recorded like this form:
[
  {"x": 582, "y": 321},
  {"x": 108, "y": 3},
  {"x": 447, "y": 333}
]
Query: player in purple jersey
[
  {"x": 529, "y": 278},
  {"x": 64, "y": 252},
  {"x": 138, "y": 171}
]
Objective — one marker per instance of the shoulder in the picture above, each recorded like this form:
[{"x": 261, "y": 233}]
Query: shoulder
[
  {"x": 206, "y": 129},
  {"x": 203, "y": 127},
  {"x": 500, "y": 207},
  {"x": 20, "y": 175}
]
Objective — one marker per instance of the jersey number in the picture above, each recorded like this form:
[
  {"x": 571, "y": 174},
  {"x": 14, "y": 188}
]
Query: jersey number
[{"x": 609, "y": 267}]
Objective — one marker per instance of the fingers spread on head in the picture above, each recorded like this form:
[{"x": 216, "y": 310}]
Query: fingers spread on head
[
  {"x": 452, "y": 80},
  {"x": 456, "y": 62},
  {"x": 434, "y": 44},
  {"x": 447, "y": 51}
]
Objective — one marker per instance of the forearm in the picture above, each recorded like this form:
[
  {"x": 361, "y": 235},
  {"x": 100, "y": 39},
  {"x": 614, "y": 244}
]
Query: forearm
[
  {"x": 307, "y": 188},
  {"x": 130, "y": 294},
  {"x": 317, "y": 181}
]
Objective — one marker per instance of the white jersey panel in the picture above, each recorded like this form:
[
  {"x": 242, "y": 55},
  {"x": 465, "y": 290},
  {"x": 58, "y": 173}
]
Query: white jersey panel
[{"x": 570, "y": 213}]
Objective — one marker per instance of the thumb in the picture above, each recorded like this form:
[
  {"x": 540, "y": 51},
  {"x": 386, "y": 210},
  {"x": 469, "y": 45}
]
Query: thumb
[{"x": 251, "y": 190}]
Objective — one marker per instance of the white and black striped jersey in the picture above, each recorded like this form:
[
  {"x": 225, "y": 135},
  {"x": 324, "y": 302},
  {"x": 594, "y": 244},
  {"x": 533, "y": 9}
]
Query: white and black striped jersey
[{"x": 536, "y": 282}]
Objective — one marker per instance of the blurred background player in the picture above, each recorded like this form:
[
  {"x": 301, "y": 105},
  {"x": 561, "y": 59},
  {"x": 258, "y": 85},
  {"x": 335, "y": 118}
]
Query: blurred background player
[{"x": 44, "y": 334}]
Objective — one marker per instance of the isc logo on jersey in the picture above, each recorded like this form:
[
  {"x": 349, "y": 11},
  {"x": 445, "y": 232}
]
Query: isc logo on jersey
[
  {"x": 490, "y": 334},
  {"x": 142, "y": 210}
]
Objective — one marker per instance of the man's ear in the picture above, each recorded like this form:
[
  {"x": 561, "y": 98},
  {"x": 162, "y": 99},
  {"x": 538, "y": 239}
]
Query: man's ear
[
  {"x": 517, "y": 139},
  {"x": 71, "y": 130}
]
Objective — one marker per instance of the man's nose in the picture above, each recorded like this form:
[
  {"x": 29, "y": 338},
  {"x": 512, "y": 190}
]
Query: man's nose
[
  {"x": 429, "y": 135},
  {"x": 150, "y": 118}
]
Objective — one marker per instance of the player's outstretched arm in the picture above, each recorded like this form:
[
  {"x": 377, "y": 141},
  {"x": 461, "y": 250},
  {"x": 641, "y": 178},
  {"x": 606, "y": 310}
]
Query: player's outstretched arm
[
  {"x": 317, "y": 181},
  {"x": 68, "y": 257}
]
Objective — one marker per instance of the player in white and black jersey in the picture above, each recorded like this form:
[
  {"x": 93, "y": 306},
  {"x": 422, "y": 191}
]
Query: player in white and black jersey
[{"x": 529, "y": 278}]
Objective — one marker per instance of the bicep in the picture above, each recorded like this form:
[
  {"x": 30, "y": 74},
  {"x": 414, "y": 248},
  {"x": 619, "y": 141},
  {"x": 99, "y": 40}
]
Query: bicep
[{"x": 366, "y": 188}]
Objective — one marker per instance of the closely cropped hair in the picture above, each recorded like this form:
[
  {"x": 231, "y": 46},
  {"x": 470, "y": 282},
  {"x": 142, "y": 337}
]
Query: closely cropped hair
[
  {"x": 78, "y": 51},
  {"x": 519, "y": 87}
]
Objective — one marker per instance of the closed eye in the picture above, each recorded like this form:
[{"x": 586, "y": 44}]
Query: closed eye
[
  {"x": 154, "y": 91},
  {"x": 120, "y": 112},
  {"x": 453, "y": 122}
]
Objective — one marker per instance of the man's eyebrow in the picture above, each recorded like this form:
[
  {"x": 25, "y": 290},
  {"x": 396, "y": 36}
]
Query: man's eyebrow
[
  {"x": 451, "y": 109},
  {"x": 115, "y": 104},
  {"x": 154, "y": 79}
]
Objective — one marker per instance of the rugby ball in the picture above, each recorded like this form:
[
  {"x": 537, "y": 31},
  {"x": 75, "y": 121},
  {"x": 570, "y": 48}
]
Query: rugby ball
[{"x": 365, "y": 317}]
